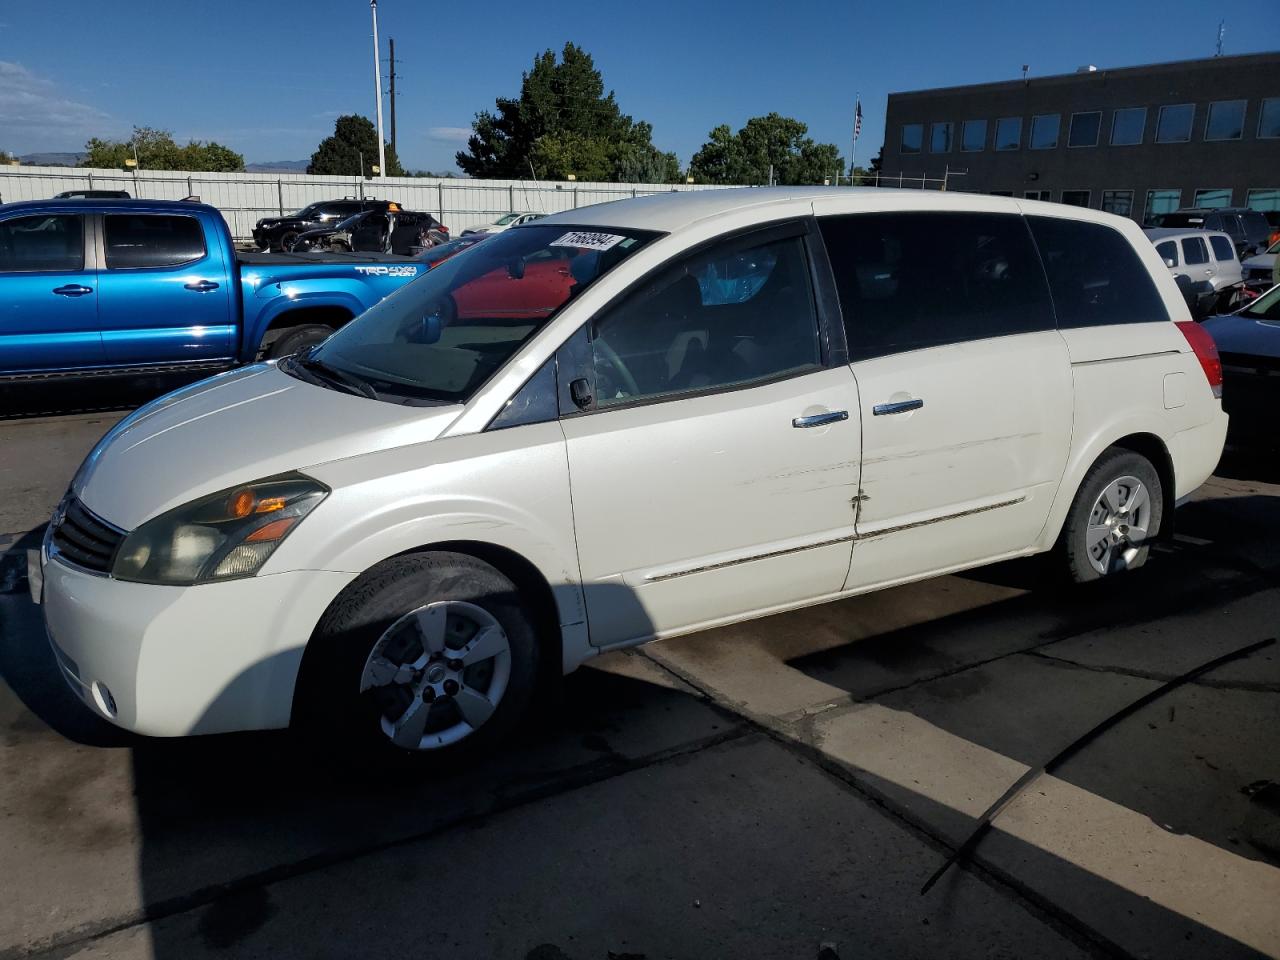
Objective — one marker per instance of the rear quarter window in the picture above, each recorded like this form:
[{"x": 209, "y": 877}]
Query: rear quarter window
[{"x": 1095, "y": 275}]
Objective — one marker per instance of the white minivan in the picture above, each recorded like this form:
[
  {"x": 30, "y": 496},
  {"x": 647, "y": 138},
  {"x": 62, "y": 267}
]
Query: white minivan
[{"x": 624, "y": 422}]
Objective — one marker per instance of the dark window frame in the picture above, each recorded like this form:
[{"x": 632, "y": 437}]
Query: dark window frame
[
  {"x": 1191, "y": 122},
  {"x": 964, "y": 127},
  {"x": 902, "y": 139},
  {"x": 1057, "y": 131},
  {"x": 168, "y": 265},
  {"x": 995, "y": 143},
  {"x": 937, "y": 126},
  {"x": 1272, "y": 103},
  {"x": 1088, "y": 198},
  {"x": 1102, "y": 203},
  {"x": 86, "y": 235}
]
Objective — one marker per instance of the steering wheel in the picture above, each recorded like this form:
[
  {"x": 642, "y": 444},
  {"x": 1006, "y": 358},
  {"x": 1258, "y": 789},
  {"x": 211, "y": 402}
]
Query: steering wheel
[{"x": 611, "y": 358}]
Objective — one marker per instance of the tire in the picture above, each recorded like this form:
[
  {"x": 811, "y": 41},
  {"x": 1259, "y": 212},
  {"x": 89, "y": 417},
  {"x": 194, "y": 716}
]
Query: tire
[
  {"x": 297, "y": 339},
  {"x": 347, "y": 696},
  {"x": 1131, "y": 484},
  {"x": 287, "y": 240}
]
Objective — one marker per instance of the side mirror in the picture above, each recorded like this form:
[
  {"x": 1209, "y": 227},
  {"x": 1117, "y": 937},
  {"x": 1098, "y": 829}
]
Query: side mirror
[
  {"x": 580, "y": 392},
  {"x": 1170, "y": 263},
  {"x": 515, "y": 268}
]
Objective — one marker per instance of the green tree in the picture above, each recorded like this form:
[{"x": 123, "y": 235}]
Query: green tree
[
  {"x": 7, "y": 158},
  {"x": 340, "y": 154},
  {"x": 771, "y": 141},
  {"x": 157, "y": 150},
  {"x": 564, "y": 123}
]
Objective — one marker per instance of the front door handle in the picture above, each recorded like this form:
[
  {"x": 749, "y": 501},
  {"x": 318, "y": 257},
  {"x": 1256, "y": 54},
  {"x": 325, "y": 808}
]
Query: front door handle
[
  {"x": 820, "y": 419},
  {"x": 201, "y": 286},
  {"x": 900, "y": 406},
  {"x": 72, "y": 290}
]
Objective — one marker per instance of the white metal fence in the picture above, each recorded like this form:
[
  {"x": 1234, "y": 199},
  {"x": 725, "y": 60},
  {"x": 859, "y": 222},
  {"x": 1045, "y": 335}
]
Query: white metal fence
[{"x": 243, "y": 198}]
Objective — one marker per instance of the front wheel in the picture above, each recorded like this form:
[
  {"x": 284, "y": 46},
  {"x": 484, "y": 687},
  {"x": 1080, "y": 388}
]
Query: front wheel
[
  {"x": 297, "y": 339},
  {"x": 426, "y": 655},
  {"x": 1114, "y": 518}
]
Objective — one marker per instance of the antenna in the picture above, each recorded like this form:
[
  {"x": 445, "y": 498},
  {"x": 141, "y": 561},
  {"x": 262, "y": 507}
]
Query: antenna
[
  {"x": 1025, "y": 68},
  {"x": 1222, "y": 28}
]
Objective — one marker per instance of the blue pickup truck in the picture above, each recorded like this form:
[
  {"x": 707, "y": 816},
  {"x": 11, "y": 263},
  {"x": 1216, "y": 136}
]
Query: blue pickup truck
[{"x": 92, "y": 287}]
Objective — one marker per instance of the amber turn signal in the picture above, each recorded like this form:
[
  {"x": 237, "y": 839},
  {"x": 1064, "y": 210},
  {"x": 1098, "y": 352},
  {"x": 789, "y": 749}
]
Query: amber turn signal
[{"x": 272, "y": 531}]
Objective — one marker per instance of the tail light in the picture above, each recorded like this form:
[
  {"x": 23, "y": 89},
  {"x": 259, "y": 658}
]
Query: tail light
[{"x": 1206, "y": 352}]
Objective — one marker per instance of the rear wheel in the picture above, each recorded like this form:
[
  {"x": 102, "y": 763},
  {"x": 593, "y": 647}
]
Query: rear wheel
[
  {"x": 1116, "y": 515},
  {"x": 426, "y": 655},
  {"x": 288, "y": 239}
]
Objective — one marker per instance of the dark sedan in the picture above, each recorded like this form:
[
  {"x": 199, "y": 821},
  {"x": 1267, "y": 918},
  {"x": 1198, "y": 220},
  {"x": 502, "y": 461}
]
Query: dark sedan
[{"x": 1249, "y": 344}]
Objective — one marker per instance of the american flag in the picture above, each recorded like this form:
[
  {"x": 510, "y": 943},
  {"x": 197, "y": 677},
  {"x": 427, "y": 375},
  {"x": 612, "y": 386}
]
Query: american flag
[{"x": 857, "y": 119}]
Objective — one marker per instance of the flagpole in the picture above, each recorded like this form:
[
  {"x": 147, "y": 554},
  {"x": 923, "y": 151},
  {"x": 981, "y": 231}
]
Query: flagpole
[{"x": 853, "y": 148}]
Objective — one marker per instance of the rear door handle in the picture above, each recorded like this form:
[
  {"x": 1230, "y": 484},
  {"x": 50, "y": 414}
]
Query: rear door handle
[
  {"x": 820, "y": 419},
  {"x": 72, "y": 290},
  {"x": 201, "y": 286},
  {"x": 900, "y": 406}
]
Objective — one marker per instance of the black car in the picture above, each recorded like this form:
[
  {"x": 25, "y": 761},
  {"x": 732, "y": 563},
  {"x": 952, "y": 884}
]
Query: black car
[
  {"x": 93, "y": 195},
  {"x": 1249, "y": 346},
  {"x": 1247, "y": 228},
  {"x": 404, "y": 232},
  {"x": 280, "y": 233}
]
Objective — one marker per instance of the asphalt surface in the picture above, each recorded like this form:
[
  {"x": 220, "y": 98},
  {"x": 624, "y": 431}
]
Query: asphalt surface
[{"x": 754, "y": 791}]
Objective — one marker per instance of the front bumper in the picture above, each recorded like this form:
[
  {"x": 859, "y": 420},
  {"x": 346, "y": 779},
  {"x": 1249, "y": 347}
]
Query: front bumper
[{"x": 172, "y": 661}]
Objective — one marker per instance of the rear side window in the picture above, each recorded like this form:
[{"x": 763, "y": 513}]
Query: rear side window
[
  {"x": 908, "y": 281},
  {"x": 1222, "y": 248},
  {"x": 152, "y": 240},
  {"x": 1168, "y": 252},
  {"x": 1095, "y": 274},
  {"x": 1194, "y": 251},
  {"x": 53, "y": 243}
]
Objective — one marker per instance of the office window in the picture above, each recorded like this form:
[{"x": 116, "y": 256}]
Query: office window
[
  {"x": 1160, "y": 202},
  {"x": 1084, "y": 129},
  {"x": 1174, "y": 124},
  {"x": 1044, "y": 131},
  {"x": 1009, "y": 133},
  {"x": 1226, "y": 120},
  {"x": 1075, "y": 198},
  {"x": 912, "y": 137},
  {"x": 1119, "y": 202},
  {"x": 1269, "y": 119},
  {"x": 1045, "y": 195},
  {"x": 1264, "y": 199},
  {"x": 940, "y": 138},
  {"x": 973, "y": 135},
  {"x": 1127, "y": 126},
  {"x": 1212, "y": 198}
]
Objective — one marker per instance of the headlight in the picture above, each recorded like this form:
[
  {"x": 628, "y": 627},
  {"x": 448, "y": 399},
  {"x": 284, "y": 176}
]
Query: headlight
[{"x": 220, "y": 537}]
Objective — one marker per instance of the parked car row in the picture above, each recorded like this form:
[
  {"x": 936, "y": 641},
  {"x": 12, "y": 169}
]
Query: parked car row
[
  {"x": 403, "y": 232},
  {"x": 1248, "y": 229}
]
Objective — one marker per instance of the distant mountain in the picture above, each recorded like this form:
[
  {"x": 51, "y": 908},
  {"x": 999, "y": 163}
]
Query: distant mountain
[
  {"x": 52, "y": 159},
  {"x": 278, "y": 166}
]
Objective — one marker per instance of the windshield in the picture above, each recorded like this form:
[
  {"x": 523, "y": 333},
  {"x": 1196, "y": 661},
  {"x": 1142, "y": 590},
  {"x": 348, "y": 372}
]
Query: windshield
[
  {"x": 1266, "y": 307},
  {"x": 446, "y": 250},
  {"x": 308, "y": 212},
  {"x": 440, "y": 337},
  {"x": 503, "y": 221}
]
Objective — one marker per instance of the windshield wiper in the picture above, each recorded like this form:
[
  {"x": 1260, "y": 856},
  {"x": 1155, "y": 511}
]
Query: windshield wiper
[{"x": 340, "y": 378}]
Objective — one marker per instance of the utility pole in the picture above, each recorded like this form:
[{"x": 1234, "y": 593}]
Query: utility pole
[
  {"x": 1222, "y": 28},
  {"x": 377, "y": 89},
  {"x": 392, "y": 42}
]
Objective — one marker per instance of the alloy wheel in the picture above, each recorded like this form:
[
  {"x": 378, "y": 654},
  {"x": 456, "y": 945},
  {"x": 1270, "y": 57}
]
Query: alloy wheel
[
  {"x": 1118, "y": 525},
  {"x": 437, "y": 674}
]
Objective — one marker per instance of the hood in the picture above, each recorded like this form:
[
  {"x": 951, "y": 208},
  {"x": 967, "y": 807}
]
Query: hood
[
  {"x": 235, "y": 428},
  {"x": 1264, "y": 260},
  {"x": 1248, "y": 335}
]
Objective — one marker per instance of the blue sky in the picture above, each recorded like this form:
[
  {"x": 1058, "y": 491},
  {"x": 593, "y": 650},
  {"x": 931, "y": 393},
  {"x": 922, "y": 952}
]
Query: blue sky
[{"x": 268, "y": 77}]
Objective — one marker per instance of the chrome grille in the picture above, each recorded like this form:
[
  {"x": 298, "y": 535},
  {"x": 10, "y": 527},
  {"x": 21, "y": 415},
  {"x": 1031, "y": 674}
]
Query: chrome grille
[{"x": 84, "y": 539}]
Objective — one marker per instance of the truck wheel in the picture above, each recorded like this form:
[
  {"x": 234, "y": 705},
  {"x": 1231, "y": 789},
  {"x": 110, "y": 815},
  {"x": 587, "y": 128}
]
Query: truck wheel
[
  {"x": 298, "y": 339},
  {"x": 1115, "y": 516},
  {"x": 425, "y": 656}
]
